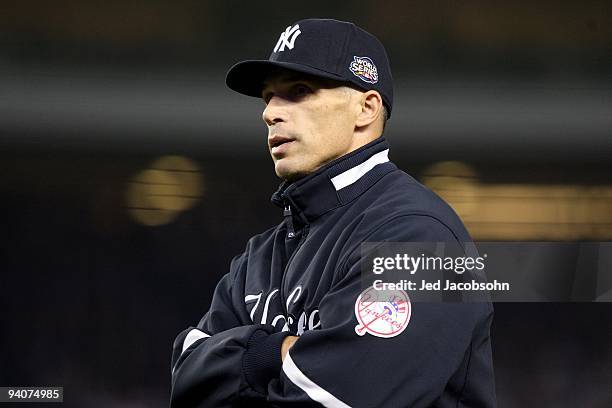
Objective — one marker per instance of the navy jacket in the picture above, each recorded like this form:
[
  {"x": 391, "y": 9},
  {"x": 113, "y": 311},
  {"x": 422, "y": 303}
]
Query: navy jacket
[{"x": 303, "y": 277}]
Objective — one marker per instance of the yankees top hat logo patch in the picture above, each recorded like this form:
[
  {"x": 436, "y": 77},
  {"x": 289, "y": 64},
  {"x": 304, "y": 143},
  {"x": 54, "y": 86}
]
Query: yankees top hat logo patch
[{"x": 382, "y": 313}]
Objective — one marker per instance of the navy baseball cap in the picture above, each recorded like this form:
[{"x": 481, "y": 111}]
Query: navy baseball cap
[{"x": 324, "y": 48}]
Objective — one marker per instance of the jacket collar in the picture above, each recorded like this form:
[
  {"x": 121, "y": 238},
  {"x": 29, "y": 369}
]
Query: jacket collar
[{"x": 337, "y": 183}]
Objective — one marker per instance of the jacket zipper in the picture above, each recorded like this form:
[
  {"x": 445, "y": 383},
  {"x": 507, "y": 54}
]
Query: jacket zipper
[
  {"x": 289, "y": 219},
  {"x": 290, "y": 234}
]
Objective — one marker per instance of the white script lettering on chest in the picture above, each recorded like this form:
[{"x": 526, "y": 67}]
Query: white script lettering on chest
[{"x": 306, "y": 321}]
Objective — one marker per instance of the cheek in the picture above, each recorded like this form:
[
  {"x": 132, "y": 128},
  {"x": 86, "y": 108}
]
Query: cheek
[
  {"x": 331, "y": 119},
  {"x": 325, "y": 129},
  {"x": 337, "y": 125}
]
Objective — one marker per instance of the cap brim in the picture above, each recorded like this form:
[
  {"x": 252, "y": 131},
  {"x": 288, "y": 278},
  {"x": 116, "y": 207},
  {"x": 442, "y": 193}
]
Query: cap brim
[{"x": 247, "y": 77}]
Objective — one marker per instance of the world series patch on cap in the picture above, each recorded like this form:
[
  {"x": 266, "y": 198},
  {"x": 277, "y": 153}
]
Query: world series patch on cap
[{"x": 325, "y": 48}]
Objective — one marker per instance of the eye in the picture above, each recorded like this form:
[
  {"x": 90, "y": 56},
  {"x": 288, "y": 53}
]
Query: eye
[{"x": 301, "y": 90}]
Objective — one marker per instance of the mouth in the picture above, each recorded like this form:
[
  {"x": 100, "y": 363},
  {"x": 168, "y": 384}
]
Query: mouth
[{"x": 276, "y": 141}]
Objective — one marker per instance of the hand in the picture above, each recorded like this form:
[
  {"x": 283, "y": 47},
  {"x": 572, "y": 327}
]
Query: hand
[{"x": 287, "y": 344}]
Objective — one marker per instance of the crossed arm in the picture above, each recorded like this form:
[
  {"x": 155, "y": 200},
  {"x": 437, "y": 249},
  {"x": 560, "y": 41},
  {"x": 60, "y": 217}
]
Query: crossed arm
[{"x": 224, "y": 362}]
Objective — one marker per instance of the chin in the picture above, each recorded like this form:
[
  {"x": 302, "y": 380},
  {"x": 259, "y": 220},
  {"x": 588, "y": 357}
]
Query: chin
[{"x": 289, "y": 173}]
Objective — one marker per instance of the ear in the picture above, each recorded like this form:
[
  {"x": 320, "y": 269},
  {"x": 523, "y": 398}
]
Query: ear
[{"x": 371, "y": 108}]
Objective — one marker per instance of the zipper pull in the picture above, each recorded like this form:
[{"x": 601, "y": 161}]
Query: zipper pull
[{"x": 289, "y": 218}]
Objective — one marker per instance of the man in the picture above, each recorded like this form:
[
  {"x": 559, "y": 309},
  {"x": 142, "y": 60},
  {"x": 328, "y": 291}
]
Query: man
[{"x": 287, "y": 324}]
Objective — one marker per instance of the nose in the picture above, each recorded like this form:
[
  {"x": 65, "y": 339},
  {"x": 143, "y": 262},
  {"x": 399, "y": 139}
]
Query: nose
[{"x": 274, "y": 111}]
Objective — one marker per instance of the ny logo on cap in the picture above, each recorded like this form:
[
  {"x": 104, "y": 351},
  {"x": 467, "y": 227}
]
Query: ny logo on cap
[{"x": 287, "y": 38}]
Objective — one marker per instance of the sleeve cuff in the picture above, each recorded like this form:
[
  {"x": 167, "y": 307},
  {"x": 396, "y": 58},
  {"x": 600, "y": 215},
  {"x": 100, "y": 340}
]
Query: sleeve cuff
[{"x": 262, "y": 360}]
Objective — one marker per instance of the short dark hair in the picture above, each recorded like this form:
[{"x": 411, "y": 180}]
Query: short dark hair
[{"x": 385, "y": 117}]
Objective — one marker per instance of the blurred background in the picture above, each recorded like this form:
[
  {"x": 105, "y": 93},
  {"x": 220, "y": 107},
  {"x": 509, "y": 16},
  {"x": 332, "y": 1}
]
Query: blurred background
[{"x": 130, "y": 175}]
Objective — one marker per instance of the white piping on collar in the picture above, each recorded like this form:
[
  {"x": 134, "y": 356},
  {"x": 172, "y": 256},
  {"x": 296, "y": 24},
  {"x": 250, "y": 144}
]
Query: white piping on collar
[{"x": 352, "y": 175}]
